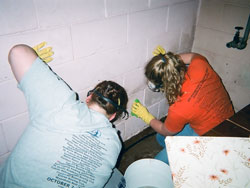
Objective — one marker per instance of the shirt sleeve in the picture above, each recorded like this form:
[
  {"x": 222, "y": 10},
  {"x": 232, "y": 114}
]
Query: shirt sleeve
[
  {"x": 175, "y": 122},
  {"x": 43, "y": 89}
]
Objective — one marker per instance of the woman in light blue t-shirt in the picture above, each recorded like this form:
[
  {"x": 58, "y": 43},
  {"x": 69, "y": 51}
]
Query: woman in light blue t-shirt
[{"x": 68, "y": 143}]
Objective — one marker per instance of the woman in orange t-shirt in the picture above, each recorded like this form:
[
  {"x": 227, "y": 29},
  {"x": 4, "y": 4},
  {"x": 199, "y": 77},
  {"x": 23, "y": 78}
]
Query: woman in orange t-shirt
[{"x": 197, "y": 98}]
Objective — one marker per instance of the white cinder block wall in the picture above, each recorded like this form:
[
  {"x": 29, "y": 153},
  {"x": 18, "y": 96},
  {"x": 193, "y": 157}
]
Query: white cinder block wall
[{"x": 93, "y": 40}]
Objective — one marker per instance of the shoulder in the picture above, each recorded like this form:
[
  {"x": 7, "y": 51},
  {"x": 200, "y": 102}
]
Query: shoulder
[
  {"x": 199, "y": 59},
  {"x": 198, "y": 68}
]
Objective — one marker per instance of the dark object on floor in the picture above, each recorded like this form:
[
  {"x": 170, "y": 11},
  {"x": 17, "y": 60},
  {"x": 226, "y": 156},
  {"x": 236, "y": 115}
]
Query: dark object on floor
[{"x": 236, "y": 126}]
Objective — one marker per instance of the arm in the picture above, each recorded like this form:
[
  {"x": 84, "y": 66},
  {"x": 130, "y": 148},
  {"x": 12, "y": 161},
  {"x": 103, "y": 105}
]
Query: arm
[
  {"x": 160, "y": 127},
  {"x": 21, "y": 58},
  {"x": 141, "y": 111},
  {"x": 187, "y": 57},
  {"x": 43, "y": 89}
]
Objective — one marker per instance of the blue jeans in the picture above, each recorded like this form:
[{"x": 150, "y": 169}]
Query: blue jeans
[{"x": 162, "y": 155}]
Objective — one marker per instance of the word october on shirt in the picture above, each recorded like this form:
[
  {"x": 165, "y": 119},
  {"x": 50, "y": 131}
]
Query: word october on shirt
[
  {"x": 66, "y": 144},
  {"x": 205, "y": 102}
]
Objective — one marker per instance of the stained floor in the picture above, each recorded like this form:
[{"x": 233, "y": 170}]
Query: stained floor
[{"x": 143, "y": 145}]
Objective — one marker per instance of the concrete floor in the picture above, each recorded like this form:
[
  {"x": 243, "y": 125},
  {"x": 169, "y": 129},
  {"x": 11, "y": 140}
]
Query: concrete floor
[{"x": 143, "y": 145}]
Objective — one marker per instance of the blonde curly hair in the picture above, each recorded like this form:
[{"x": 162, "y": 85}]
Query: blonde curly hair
[{"x": 169, "y": 71}]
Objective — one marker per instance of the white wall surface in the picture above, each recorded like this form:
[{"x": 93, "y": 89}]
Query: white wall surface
[
  {"x": 93, "y": 40},
  {"x": 215, "y": 28}
]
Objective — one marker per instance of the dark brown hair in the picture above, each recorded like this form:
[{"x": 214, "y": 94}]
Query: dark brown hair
[{"x": 111, "y": 97}]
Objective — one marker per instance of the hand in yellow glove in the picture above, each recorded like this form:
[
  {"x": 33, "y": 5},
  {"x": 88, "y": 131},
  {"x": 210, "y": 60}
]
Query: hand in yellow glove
[
  {"x": 45, "y": 54},
  {"x": 159, "y": 50},
  {"x": 141, "y": 111}
]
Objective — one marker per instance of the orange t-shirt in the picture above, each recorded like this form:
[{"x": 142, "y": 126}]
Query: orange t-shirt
[{"x": 205, "y": 102}]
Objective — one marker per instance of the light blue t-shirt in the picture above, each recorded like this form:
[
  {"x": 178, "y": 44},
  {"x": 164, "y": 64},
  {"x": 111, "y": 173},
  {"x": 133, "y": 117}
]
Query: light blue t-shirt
[{"x": 66, "y": 144}]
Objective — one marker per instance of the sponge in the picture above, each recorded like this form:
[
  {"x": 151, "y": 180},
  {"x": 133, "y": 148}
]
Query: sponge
[{"x": 136, "y": 100}]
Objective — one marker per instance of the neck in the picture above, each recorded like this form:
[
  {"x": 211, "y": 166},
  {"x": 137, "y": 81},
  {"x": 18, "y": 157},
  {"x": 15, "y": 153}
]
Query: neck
[{"x": 97, "y": 108}]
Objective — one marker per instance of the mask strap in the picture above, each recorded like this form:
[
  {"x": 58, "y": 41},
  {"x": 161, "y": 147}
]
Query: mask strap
[
  {"x": 118, "y": 107},
  {"x": 153, "y": 87}
]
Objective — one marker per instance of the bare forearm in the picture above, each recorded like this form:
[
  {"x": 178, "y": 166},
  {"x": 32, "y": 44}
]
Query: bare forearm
[
  {"x": 159, "y": 127},
  {"x": 187, "y": 57}
]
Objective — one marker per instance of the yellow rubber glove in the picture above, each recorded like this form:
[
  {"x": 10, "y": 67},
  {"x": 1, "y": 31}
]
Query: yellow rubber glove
[
  {"x": 159, "y": 50},
  {"x": 45, "y": 54},
  {"x": 141, "y": 111}
]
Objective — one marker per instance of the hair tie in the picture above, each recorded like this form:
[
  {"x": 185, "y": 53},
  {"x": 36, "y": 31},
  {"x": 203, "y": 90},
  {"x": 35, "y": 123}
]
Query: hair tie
[{"x": 163, "y": 58}]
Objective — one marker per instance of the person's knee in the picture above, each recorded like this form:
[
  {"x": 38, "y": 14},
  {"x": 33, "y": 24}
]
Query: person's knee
[{"x": 160, "y": 139}]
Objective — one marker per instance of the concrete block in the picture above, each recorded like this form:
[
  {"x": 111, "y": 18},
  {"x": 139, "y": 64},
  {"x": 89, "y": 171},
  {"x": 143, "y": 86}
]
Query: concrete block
[
  {"x": 13, "y": 129},
  {"x": 161, "y": 3},
  {"x": 76, "y": 75},
  {"x": 209, "y": 13},
  {"x": 138, "y": 95},
  {"x": 152, "y": 97},
  {"x": 154, "y": 110},
  {"x": 120, "y": 7},
  {"x": 5, "y": 73},
  {"x": 184, "y": 14},
  {"x": 215, "y": 41},
  {"x": 62, "y": 48},
  {"x": 12, "y": 100},
  {"x": 135, "y": 81},
  {"x": 107, "y": 65},
  {"x": 66, "y": 12},
  {"x": 134, "y": 54},
  {"x": 133, "y": 126},
  {"x": 122, "y": 119},
  {"x": 93, "y": 37},
  {"x": 87, "y": 72},
  {"x": 168, "y": 40},
  {"x": 233, "y": 16},
  {"x": 147, "y": 24},
  {"x": 17, "y": 16},
  {"x": 238, "y": 72},
  {"x": 186, "y": 40},
  {"x": 227, "y": 15},
  {"x": 3, "y": 144},
  {"x": 163, "y": 108}
]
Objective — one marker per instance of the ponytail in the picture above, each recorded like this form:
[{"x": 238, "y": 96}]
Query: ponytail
[{"x": 168, "y": 70}]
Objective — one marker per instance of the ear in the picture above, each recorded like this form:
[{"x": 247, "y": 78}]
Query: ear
[
  {"x": 112, "y": 116},
  {"x": 88, "y": 98}
]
